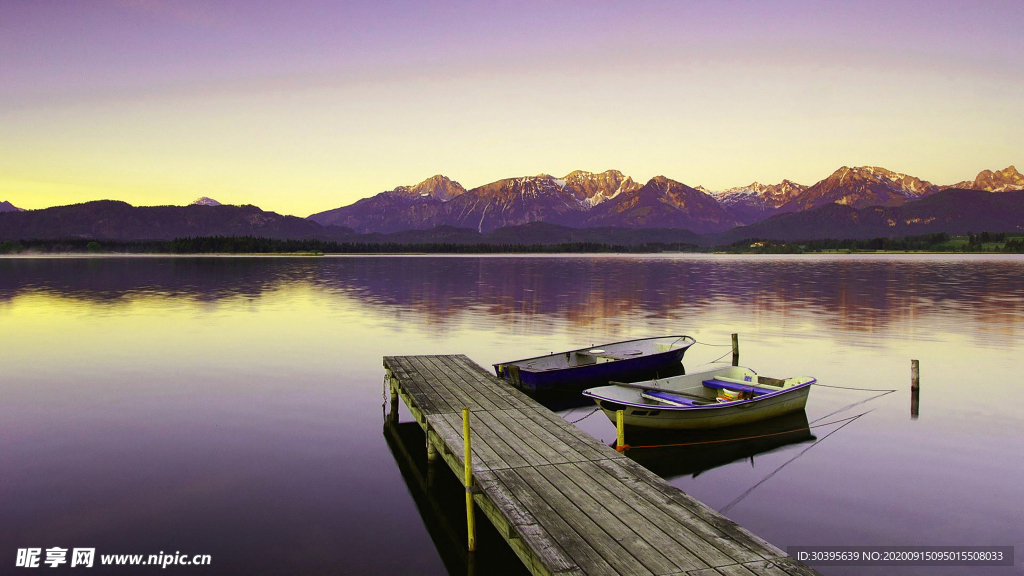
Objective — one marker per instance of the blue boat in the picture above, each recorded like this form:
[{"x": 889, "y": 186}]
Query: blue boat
[{"x": 627, "y": 361}]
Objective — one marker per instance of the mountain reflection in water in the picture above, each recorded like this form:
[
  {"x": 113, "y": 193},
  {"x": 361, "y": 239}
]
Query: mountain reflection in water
[
  {"x": 858, "y": 294},
  {"x": 231, "y": 405}
]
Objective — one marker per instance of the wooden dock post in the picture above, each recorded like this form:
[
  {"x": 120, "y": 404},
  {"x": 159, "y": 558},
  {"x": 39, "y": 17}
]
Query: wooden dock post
[
  {"x": 915, "y": 388},
  {"x": 468, "y": 480},
  {"x": 431, "y": 451},
  {"x": 392, "y": 389},
  {"x": 735, "y": 349},
  {"x": 620, "y": 431}
]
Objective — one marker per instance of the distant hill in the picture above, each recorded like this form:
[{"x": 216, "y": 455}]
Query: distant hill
[
  {"x": 952, "y": 211},
  {"x": 6, "y": 206},
  {"x": 113, "y": 220}
]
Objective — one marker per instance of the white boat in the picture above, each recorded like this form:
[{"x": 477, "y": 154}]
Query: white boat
[{"x": 711, "y": 399}]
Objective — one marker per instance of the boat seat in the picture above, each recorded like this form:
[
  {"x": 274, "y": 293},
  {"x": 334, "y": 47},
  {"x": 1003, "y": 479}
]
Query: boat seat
[
  {"x": 718, "y": 384},
  {"x": 673, "y": 398},
  {"x": 618, "y": 354}
]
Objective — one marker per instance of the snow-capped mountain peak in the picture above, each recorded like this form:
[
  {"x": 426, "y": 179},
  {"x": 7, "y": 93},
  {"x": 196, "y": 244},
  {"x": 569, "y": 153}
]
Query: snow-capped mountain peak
[
  {"x": 772, "y": 195},
  {"x": 438, "y": 186},
  {"x": 862, "y": 186},
  {"x": 593, "y": 189},
  {"x": 1003, "y": 180},
  {"x": 204, "y": 201}
]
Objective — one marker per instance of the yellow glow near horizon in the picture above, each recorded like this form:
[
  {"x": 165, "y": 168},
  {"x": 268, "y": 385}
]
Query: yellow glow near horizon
[{"x": 301, "y": 144}]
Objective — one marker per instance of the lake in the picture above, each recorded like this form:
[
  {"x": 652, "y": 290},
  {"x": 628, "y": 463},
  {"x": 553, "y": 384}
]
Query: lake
[{"x": 233, "y": 406}]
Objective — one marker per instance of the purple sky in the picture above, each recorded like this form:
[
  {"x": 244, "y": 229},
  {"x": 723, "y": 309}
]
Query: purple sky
[{"x": 303, "y": 106}]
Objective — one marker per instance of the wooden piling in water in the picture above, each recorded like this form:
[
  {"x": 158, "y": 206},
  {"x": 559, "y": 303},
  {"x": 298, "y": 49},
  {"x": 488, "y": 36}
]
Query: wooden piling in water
[
  {"x": 915, "y": 388},
  {"x": 468, "y": 480},
  {"x": 735, "y": 349}
]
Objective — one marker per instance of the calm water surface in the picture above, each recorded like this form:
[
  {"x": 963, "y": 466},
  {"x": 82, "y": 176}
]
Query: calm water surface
[{"x": 233, "y": 406}]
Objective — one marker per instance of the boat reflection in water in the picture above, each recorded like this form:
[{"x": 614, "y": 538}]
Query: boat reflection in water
[
  {"x": 440, "y": 500},
  {"x": 707, "y": 449}
]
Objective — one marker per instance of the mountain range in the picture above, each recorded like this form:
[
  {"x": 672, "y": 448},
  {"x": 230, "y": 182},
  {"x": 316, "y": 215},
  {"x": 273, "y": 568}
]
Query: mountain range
[
  {"x": 6, "y": 206},
  {"x": 579, "y": 199},
  {"x": 952, "y": 211},
  {"x": 857, "y": 202},
  {"x": 584, "y": 199}
]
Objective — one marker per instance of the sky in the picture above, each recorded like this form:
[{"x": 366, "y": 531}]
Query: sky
[{"x": 301, "y": 106}]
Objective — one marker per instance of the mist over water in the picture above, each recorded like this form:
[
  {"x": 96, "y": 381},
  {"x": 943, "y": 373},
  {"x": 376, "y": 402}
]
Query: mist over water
[{"x": 233, "y": 406}]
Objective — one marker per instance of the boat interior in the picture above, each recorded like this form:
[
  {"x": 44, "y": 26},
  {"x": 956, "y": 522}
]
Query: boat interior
[{"x": 730, "y": 384}]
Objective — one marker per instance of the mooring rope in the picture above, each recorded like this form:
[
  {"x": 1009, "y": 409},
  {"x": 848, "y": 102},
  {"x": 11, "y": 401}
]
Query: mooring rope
[
  {"x": 886, "y": 390},
  {"x": 717, "y": 345},
  {"x": 716, "y": 359},
  {"x": 747, "y": 492},
  {"x": 589, "y": 414},
  {"x": 847, "y": 407}
]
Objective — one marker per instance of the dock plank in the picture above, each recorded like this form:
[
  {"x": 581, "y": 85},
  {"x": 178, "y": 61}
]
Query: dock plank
[
  {"x": 654, "y": 511},
  {"x": 641, "y": 515},
  {"x": 418, "y": 387},
  {"x": 565, "y": 502},
  {"x": 458, "y": 383},
  {"x": 565, "y": 534},
  {"x": 479, "y": 384},
  {"x": 442, "y": 384},
  {"x": 511, "y": 438},
  {"x": 449, "y": 428},
  {"x": 627, "y": 534}
]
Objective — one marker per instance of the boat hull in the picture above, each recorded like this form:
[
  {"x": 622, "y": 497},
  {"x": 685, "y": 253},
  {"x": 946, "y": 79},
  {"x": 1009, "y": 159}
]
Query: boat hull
[
  {"x": 640, "y": 413},
  {"x": 641, "y": 367}
]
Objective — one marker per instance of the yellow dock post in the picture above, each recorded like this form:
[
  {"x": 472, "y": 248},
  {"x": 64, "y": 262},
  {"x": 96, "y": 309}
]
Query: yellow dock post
[
  {"x": 468, "y": 482},
  {"x": 620, "y": 431}
]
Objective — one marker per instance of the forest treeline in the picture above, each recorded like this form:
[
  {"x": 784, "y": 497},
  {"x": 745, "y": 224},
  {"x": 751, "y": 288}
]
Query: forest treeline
[{"x": 982, "y": 242}]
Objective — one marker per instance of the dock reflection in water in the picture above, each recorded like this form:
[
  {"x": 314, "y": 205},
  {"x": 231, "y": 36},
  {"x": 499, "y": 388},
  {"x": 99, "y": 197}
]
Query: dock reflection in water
[{"x": 440, "y": 500}]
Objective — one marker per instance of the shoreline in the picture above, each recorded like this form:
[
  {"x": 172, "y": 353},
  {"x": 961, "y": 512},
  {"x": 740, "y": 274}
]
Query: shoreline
[{"x": 610, "y": 254}]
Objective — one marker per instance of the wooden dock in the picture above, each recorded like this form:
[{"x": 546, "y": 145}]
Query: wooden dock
[{"x": 565, "y": 502}]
